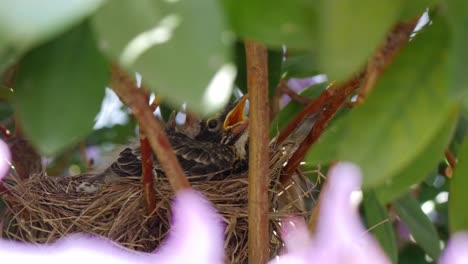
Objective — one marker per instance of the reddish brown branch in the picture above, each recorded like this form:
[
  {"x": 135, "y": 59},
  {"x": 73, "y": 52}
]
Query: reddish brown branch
[
  {"x": 136, "y": 99},
  {"x": 396, "y": 39},
  {"x": 285, "y": 89},
  {"x": 342, "y": 94},
  {"x": 5, "y": 131},
  {"x": 312, "y": 108},
  {"x": 147, "y": 165},
  {"x": 147, "y": 168},
  {"x": 452, "y": 161},
  {"x": 257, "y": 82}
]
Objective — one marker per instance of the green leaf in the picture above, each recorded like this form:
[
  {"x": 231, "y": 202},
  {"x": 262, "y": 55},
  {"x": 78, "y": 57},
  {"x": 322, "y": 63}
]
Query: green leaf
[
  {"x": 458, "y": 215},
  {"x": 275, "y": 61},
  {"x": 420, "y": 226},
  {"x": 59, "y": 91},
  {"x": 350, "y": 31},
  {"x": 413, "y": 9},
  {"x": 181, "y": 48},
  {"x": 422, "y": 165},
  {"x": 380, "y": 225},
  {"x": 300, "y": 65},
  {"x": 400, "y": 118},
  {"x": 276, "y": 23},
  {"x": 457, "y": 16},
  {"x": 25, "y": 24},
  {"x": 293, "y": 108}
]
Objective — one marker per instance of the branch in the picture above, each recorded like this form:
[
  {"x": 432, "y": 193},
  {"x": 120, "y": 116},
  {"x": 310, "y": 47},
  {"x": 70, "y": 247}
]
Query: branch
[
  {"x": 342, "y": 94},
  {"x": 135, "y": 98},
  {"x": 284, "y": 88},
  {"x": 396, "y": 39},
  {"x": 312, "y": 108},
  {"x": 257, "y": 82}
]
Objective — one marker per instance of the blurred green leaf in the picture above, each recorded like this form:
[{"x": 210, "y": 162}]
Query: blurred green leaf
[
  {"x": 420, "y": 167},
  {"x": 457, "y": 16},
  {"x": 460, "y": 133},
  {"x": 458, "y": 215},
  {"x": 300, "y": 65},
  {"x": 380, "y": 225},
  {"x": 241, "y": 63},
  {"x": 420, "y": 226},
  {"x": 25, "y": 24},
  {"x": 276, "y": 23},
  {"x": 413, "y": 9},
  {"x": 346, "y": 36},
  {"x": 400, "y": 118},
  {"x": 181, "y": 48},
  {"x": 293, "y": 108},
  {"x": 5, "y": 93},
  {"x": 412, "y": 254},
  {"x": 59, "y": 91},
  {"x": 275, "y": 61}
]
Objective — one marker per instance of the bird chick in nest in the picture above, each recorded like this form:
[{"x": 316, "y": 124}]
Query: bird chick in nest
[{"x": 210, "y": 147}]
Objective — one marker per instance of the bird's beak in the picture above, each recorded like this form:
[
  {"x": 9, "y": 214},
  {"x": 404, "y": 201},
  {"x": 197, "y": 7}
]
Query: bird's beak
[{"x": 236, "y": 115}]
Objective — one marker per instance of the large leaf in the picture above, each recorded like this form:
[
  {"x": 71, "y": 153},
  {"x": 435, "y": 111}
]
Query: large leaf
[
  {"x": 24, "y": 24},
  {"x": 422, "y": 165},
  {"x": 420, "y": 226},
  {"x": 181, "y": 48},
  {"x": 59, "y": 89},
  {"x": 276, "y": 23},
  {"x": 350, "y": 31},
  {"x": 413, "y": 9},
  {"x": 458, "y": 215},
  {"x": 400, "y": 118},
  {"x": 300, "y": 65},
  {"x": 458, "y": 55},
  {"x": 380, "y": 225}
]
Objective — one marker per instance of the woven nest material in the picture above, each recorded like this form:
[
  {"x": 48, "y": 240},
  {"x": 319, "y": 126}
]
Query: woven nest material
[{"x": 42, "y": 209}]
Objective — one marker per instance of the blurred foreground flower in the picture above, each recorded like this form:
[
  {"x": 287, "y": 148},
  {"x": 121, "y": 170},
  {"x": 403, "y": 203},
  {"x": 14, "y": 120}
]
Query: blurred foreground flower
[
  {"x": 340, "y": 236},
  {"x": 196, "y": 237},
  {"x": 5, "y": 158},
  {"x": 197, "y": 234}
]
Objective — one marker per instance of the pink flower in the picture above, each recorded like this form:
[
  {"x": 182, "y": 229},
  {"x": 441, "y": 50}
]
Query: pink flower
[
  {"x": 340, "y": 236},
  {"x": 456, "y": 251},
  {"x": 4, "y": 159},
  {"x": 196, "y": 237}
]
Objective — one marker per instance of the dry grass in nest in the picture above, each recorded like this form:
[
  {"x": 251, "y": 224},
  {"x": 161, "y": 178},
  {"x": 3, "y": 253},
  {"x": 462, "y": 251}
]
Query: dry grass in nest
[{"x": 44, "y": 208}]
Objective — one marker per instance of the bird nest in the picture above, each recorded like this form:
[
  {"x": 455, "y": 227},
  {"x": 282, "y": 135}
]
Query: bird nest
[{"x": 42, "y": 209}]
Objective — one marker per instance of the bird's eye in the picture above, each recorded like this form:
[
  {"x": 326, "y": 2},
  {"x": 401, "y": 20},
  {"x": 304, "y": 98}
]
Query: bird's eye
[{"x": 213, "y": 124}]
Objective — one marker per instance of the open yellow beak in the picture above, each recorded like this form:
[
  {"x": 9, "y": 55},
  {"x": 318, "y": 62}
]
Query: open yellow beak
[{"x": 236, "y": 115}]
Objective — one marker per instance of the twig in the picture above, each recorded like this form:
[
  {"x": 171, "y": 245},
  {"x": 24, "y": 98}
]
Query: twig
[
  {"x": 135, "y": 98},
  {"x": 257, "y": 82},
  {"x": 396, "y": 39},
  {"x": 283, "y": 85},
  {"x": 313, "y": 107},
  {"x": 452, "y": 161},
  {"x": 147, "y": 169},
  {"x": 322, "y": 121},
  {"x": 5, "y": 131}
]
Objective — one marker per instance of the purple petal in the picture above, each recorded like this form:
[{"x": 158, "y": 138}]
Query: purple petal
[
  {"x": 4, "y": 159},
  {"x": 340, "y": 236},
  {"x": 456, "y": 251},
  {"x": 196, "y": 237}
]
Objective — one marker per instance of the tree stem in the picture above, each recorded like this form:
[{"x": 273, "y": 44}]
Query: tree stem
[{"x": 257, "y": 82}]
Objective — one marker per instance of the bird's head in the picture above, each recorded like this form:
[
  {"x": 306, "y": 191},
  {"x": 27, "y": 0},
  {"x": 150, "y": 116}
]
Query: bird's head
[
  {"x": 235, "y": 128},
  {"x": 213, "y": 129}
]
